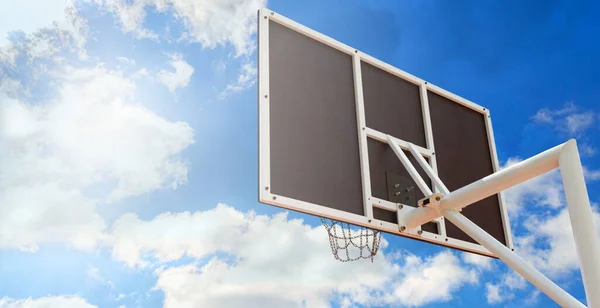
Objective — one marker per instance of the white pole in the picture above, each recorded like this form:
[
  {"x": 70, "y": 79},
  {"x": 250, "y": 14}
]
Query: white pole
[
  {"x": 582, "y": 221},
  {"x": 491, "y": 184},
  {"x": 513, "y": 260},
  {"x": 409, "y": 167}
]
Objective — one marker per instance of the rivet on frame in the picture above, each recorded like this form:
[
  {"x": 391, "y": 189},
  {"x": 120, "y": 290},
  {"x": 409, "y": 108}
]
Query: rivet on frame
[
  {"x": 266, "y": 96},
  {"x": 267, "y": 188},
  {"x": 274, "y": 198},
  {"x": 265, "y": 17}
]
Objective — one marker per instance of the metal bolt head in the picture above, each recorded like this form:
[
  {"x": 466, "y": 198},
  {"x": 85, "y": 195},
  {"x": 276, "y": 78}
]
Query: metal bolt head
[
  {"x": 400, "y": 206},
  {"x": 420, "y": 232},
  {"x": 437, "y": 198},
  {"x": 402, "y": 228},
  {"x": 274, "y": 198}
]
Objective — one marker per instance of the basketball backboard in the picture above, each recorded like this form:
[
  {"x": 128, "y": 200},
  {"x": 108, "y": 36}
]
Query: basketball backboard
[{"x": 327, "y": 113}]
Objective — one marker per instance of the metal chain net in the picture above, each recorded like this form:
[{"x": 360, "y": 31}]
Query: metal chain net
[{"x": 341, "y": 240}]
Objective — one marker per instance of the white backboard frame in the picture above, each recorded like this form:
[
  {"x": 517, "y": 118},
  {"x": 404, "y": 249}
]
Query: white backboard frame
[{"x": 364, "y": 132}]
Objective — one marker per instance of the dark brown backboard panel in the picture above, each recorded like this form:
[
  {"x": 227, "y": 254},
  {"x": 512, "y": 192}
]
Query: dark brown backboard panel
[
  {"x": 463, "y": 157},
  {"x": 310, "y": 149},
  {"x": 314, "y": 137},
  {"x": 392, "y": 105}
]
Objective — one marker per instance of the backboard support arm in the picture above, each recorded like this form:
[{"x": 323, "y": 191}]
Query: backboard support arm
[{"x": 566, "y": 158}]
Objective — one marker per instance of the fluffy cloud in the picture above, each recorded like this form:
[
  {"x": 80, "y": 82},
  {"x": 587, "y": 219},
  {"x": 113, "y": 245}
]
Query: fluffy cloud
[
  {"x": 246, "y": 79},
  {"x": 503, "y": 291},
  {"x": 431, "y": 280},
  {"x": 30, "y": 15},
  {"x": 61, "y": 301},
  {"x": 484, "y": 263},
  {"x": 572, "y": 121},
  {"x": 92, "y": 134},
  {"x": 209, "y": 22},
  {"x": 52, "y": 28},
  {"x": 252, "y": 257},
  {"x": 180, "y": 77},
  {"x": 557, "y": 255}
]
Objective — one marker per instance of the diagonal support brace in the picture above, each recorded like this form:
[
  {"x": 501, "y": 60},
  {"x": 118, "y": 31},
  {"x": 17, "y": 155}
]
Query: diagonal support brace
[{"x": 566, "y": 157}]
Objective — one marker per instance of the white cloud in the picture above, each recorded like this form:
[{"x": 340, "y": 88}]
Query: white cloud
[
  {"x": 92, "y": 133},
  {"x": 42, "y": 29},
  {"x": 267, "y": 254},
  {"x": 579, "y": 122},
  {"x": 503, "y": 291},
  {"x": 60, "y": 301},
  {"x": 587, "y": 150},
  {"x": 180, "y": 77},
  {"x": 94, "y": 274},
  {"x": 47, "y": 212},
  {"x": 432, "y": 279},
  {"x": 546, "y": 115},
  {"x": 493, "y": 293},
  {"x": 246, "y": 79},
  {"x": 591, "y": 175},
  {"x": 533, "y": 297},
  {"x": 211, "y": 23},
  {"x": 126, "y": 61},
  {"x": 30, "y": 15},
  {"x": 550, "y": 246},
  {"x": 568, "y": 119},
  {"x": 484, "y": 263}
]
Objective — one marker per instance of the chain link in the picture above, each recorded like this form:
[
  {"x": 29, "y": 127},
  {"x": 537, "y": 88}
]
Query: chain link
[{"x": 349, "y": 239}]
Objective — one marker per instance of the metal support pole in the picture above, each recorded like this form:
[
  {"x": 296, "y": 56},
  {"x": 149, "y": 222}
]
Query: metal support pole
[
  {"x": 565, "y": 157},
  {"x": 513, "y": 260},
  {"x": 582, "y": 221},
  {"x": 489, "y": 185}
]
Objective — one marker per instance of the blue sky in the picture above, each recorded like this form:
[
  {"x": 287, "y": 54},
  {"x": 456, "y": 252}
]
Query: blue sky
[{"x": 129, "y": 161}]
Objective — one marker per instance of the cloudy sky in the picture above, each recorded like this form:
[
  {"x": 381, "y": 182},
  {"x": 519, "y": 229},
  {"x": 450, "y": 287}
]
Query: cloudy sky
[{"x": 128, "y": 150}]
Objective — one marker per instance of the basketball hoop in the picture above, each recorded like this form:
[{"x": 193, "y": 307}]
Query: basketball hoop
[{"x": 342, "y": 237}]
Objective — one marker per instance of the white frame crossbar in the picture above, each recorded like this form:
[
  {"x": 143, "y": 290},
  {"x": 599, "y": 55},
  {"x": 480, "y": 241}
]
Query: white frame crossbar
[{"x": 564, "y": 157}]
